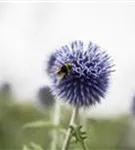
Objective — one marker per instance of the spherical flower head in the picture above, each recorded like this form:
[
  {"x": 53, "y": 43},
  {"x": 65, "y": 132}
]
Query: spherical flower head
[
  {"x": 79, "y": 75},
  {"x": 45, "y": 98}
]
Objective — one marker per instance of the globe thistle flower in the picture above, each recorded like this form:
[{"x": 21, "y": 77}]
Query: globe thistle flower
[
  {"x": 79, "y": 75},
  {"x": 45, "y": 98}
]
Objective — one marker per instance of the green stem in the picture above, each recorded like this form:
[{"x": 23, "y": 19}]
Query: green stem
[
  {"x": 69, "y": 132},
  {"x": 56, "y": 121}
]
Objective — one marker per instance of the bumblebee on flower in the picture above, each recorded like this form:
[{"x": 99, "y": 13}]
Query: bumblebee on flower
[{"x": 80, "y": 76}]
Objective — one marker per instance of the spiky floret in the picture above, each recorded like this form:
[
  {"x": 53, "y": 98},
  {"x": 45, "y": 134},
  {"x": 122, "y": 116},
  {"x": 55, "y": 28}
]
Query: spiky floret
[{"x": 79, "y": 76}]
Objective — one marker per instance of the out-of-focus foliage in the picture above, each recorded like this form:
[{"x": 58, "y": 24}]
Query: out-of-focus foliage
[
  {"x": 24, "y": 127},
  {"x": 33, "y": 147},
  {"x": 133, "y": 105}
]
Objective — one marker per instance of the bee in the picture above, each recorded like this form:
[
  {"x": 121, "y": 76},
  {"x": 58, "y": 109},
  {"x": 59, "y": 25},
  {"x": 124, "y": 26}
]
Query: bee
[{"x": 64, "y": 70}]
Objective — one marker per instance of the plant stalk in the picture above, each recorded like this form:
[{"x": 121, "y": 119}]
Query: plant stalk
[
  {"x": 69, "y": 131},
  {"x": 56, "y": 121}
]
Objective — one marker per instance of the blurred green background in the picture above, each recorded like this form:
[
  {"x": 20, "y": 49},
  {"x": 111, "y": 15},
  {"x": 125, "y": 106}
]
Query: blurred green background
[{"x": 27, "y": 123}]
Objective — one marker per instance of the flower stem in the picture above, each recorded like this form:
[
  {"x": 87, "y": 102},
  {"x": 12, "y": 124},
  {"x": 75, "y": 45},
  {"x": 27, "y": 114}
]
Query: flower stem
[
  {"x": 69, "y": 131},
  {"x": 55, "y": 120}
]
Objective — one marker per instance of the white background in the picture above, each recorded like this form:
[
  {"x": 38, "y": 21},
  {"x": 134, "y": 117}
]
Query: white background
[{"x": 30, "y": 31}]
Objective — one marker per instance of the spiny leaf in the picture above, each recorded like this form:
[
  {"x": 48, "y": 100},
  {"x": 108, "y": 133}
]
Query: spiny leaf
[
  {"x": 79, "y": 127},
  {"x": 84, "y": 138},
  {"x": 83, "y": 133}
]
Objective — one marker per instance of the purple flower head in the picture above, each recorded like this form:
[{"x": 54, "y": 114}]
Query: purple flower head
[{"x": 79, "y": 76}]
